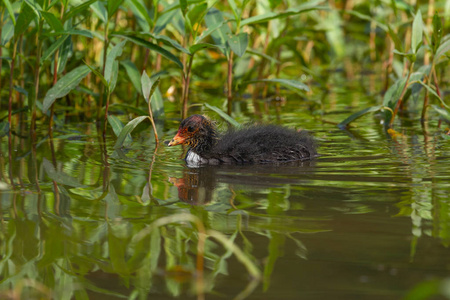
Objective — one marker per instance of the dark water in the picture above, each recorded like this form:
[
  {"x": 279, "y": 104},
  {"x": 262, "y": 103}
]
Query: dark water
[{"x": 369, "y": 219}]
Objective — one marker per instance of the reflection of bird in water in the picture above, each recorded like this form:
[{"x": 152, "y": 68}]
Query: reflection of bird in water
[
  {"x": 198, "y": 184},
  {"x": 255, "y": 144}
]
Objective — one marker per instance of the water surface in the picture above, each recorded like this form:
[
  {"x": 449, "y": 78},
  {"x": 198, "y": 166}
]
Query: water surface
[{"x": 369, "y": 219}]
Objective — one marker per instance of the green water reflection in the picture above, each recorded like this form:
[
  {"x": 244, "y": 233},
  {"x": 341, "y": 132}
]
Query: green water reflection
[{"x": 368, "y": 219}]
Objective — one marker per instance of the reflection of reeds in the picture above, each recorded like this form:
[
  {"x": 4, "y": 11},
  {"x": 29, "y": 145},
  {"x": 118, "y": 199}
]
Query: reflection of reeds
[
  {"x": 203, "y": 234},
  {"x": 17, "y": 292}
]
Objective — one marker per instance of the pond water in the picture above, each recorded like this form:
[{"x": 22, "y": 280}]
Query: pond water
[{"x": 369, "y": 219}]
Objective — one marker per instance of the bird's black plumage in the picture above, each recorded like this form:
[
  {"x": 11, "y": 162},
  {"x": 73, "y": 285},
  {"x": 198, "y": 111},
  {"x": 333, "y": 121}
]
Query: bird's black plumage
[{"x": 251, "y": 144}]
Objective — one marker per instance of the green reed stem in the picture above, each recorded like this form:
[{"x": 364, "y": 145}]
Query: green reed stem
[
  {"x": 186, "y": 82},
  {"x": 37, "y": 69},
  {"x": 108, "y": 95},
  {"x": 426, "y": 100},
  {"x": 102, "y": 89},
  {"x": 150, "y": 112},
  {"x": 11, "y": 77},
  {"x": 55, "y": 76},
  {"x": 399, "y": 102},
  {"x": 230, "y": 84}
]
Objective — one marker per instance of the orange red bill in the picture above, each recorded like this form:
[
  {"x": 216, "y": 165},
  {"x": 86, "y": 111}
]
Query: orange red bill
[{"x": 177, "y": 139}]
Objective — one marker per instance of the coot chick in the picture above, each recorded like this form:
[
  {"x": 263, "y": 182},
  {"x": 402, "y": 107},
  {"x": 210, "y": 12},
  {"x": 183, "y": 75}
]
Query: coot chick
[{"x": 254, "y": 144}]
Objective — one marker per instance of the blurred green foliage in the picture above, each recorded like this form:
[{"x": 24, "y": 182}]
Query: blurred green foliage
[{"x": 186, "y": 43}]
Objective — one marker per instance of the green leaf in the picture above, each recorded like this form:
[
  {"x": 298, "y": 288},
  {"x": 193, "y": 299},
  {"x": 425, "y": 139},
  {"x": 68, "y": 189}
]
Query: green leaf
[
  {"x": 155, "y": 249},
  {"x": 99, "y": 9},
  {"x": 53, "y": 47},
  {"x": 99, "y": 75},
  {"x": 77, "y": 10},
  {"x": 261, "y": 18},
  {"x": 7, "y": 32},
  {"x": 359, "y": 114},
  {"x": 395, "y": 39},
  {"x": 169, "y": 42},
  {"x": 239, "y": 43},
  {"x": 4, "y": 129},
  {"x": 84, "y": 32},
  {"x": 443, "y": 48},
  {"x": 308, "y": 6},
  {"x": 197, "y": 47},
  {"x": 393, "y": 93},
  {"x": 120, "y": 108},
  {"x": 133, "y": 74},
  {"x": 257, "y": 53},
  {"x": 411, "y": 56},
  {"x": 234, "y": 9},
  {"x": 24, "y": 19},
  {"x": 21, "y": 90},
  {"x": 417, "y": 32},
  {"x": 58, "y": 176},
  {"x": 153, "y": 47},
  {"x": 128, "y": 129},
  {"x": 224, "y": 115},
  {"x": 442, "y": 112},
  {"x": 146, "y": 84},
  {"x": 183, "y": 6},
  {"x": 117, "y": 127},
  {"x": 367, "y": 18},
  {"x": 117, "y": 247},
  {"x": 180, "y": 23},
  {"x": 53, "y": 21},
  {"x": 115, "y": 52},
  {"x": 14, "y": 112},
  {"x": 154, "y": 85},
  {"x": 65, "y": 51},
  {"x": 275, "y": 3},
  {"x": 114, "y": 75},
  {"x": 10, "y": 11},
  {"x": 276, "y": 243},
  {"x": 157, "y": 103},
  {"x": 209, "y": 31},
  {"x": 164, "y": 20},
  {"x": 53, "y": 2},
  {"x": 289, "y": 83},
  {"x": 36, "y": 7},
  {"x": 113, "y": 6},
  {"x": 64, "y": 85},
  {"x": 221, "y": 34},
  {"x": 433, "y": 92},
  {"x": 197, "y": 13},
  {"x": 176, "y": 4},
  {"x": 437, "y": 32},
  {"x": 141, "y": 13}
]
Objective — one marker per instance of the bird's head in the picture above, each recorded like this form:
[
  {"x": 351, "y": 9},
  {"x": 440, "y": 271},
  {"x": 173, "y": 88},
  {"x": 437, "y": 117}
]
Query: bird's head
[{"x": 194, "y": 131}]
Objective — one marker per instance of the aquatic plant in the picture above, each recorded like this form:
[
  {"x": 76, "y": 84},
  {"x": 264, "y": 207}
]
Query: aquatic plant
[
  {"x": 426, "y": 43},
  {"x": 67, "y": 41}
]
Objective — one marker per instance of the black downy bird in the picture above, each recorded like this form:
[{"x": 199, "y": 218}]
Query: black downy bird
[{"x": 256, "y": 144}]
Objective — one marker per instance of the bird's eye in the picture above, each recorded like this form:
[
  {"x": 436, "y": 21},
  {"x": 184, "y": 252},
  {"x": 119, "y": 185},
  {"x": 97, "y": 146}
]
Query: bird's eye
[{"x": 190, "y": 129}]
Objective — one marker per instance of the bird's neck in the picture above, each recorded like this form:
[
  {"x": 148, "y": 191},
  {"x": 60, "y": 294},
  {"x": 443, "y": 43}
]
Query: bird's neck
[{"x": 204, "y": 146}]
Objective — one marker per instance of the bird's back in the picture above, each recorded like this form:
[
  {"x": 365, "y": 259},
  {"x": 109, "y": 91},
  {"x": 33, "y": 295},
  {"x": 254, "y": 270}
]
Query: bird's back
[{"x": 263, "y": 144}]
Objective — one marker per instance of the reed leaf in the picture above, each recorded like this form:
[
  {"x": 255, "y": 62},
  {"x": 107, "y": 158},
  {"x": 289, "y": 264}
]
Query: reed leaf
[
  {"x": 153, "y": 47},
  {"x": 10, "y": 11},
  {"x": 128, "y": 129},
  {"x": 292, "y": 84},
  {"x": 64, "y": 85},
  {"x": 359, "y": 114}
]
